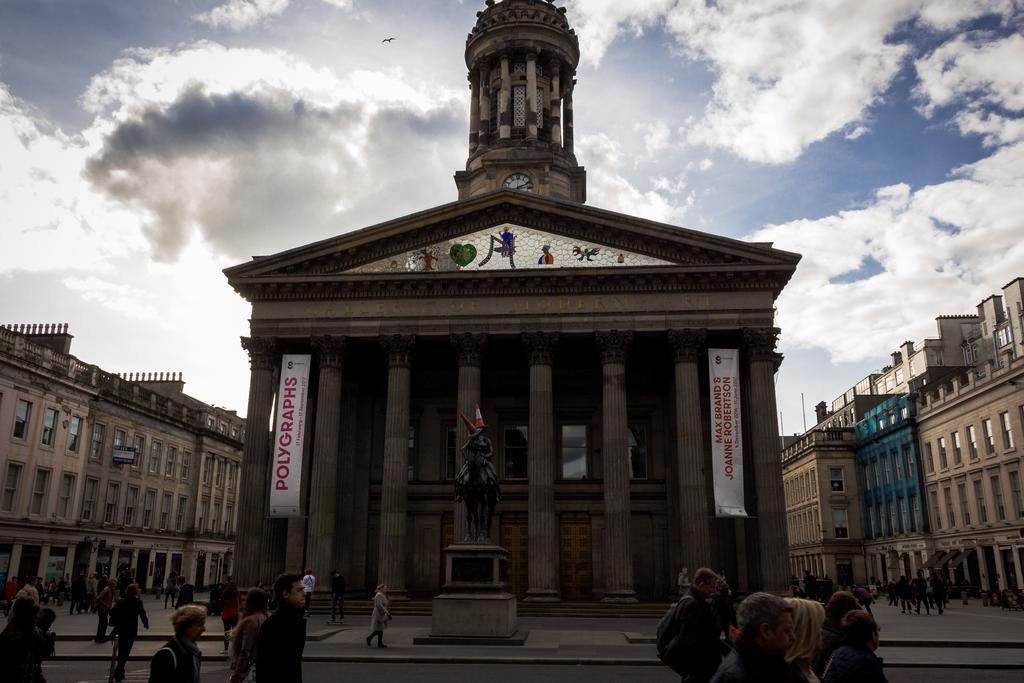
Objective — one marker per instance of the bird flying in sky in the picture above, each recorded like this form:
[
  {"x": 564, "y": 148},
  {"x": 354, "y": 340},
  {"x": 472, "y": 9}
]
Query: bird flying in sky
[{"x": 387, "y": 40}]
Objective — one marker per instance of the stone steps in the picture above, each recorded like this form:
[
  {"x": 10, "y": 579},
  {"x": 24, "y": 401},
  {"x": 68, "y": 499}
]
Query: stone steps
[{"x": 418, "y": 607}]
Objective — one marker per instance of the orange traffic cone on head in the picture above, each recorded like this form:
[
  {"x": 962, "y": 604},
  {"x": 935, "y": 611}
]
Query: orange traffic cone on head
[
  {"x": 466, "y": 421},
  {"x": 479, "y": 418}
]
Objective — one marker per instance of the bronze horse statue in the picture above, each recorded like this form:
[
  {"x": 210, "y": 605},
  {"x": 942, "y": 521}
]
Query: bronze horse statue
[{"x": 477, "y": 482}]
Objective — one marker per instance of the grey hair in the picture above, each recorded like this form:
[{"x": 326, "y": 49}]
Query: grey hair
[{"x": 757, "y": 609}]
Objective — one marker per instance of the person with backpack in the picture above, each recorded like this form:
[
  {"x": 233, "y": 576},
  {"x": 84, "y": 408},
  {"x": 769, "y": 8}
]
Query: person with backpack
[
  {"x": 124, "y": 617},
  {"x": 104, "y": 601},
  {"x": 688, "y": 635},
  {"x": 179, "y": 660}
]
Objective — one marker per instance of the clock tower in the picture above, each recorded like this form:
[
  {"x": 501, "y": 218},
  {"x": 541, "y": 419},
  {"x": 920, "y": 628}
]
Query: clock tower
[{"x": 522, "y": 59}]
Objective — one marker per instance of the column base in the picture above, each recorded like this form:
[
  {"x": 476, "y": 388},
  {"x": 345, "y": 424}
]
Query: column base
[
  {"x": 395, "y": 595},
  {"x": 620, "y": 597},
  {"x": 542, "y": 596}
]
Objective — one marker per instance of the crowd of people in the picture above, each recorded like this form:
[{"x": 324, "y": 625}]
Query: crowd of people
[{"x": 767, "y": 638}]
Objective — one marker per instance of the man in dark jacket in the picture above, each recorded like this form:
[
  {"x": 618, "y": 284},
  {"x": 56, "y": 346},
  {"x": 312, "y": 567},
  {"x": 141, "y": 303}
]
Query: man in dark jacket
[
  {"x": 78, "y": 594},
  {"x": 337, "y": 595},
  {"x": 282, "y": 637},
  {"x": 124, "y": 617},
  {"x": 939, "y": 593},
  {"x": 693, "y": 645},
  {"x": 766, "y": 632},
  {"x": 179, "y": 660}
]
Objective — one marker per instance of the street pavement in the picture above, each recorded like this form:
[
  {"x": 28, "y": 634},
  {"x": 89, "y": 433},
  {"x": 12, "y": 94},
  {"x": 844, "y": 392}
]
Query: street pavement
[{"x": 591, "y": 649}]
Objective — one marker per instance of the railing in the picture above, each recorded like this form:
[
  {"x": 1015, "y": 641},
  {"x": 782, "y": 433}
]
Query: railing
[{"x": 820, "y": 437}]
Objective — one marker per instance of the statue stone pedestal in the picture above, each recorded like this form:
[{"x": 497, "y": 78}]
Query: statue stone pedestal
[{"x": 474, "y": 607}]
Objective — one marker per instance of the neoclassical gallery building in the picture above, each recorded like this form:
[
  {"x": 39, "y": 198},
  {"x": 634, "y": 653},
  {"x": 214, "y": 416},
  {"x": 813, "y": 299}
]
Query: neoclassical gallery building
[{"x": 581, "y": 333}]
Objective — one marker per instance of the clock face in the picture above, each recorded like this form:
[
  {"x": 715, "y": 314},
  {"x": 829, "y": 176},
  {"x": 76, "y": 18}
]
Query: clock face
[{"x": 519, "y": 181}]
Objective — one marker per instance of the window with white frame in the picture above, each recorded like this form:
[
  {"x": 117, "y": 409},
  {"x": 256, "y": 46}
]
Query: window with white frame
[
  {"x": 574, "y": 451},
  {"x": 39, "y": 489},
  {"x": 965, "y": 511},
  {"x": 186, "y": 465},
  {"x": 943, "y": 460},
  {"x": 231, "y": 475},
  {"x": 997, "y": 497},
  {"x": 119, "y": 437},
  {"x": 904, "y": 515},
  {"x": 154, "y": 457},
  {"x": 131, "y": 505},
  {"x": 165, "y": 510},
  {"x": 950, "y": 514},
  {"x": 220, "y": 463},
  {"x": 207, "y": 469},
  {"x": 1004, "y": 420},
  {"x": 957, "y": 453},
  {"x": 179, "y": 518},
  {"x": 140, "y": 450},
  {"x": 22, "y": 419},
  {"x": 990, "y": 441},
  {"x": 936, "y": 516},
  {"x": 170, "y": 461},
  {"x": 74, "y": 433},
  {"x": 204, "y": 513},
  {"x": 229, "y": 517},
  {"x": 929, "y": 460},
  {"x": 110, "y": 506},
  {"x": 840, "y": 522},
  {"x": 972, "y": 443},
  {"x": 96, "y": 444},
  {"x": 11, "y": 480},
  {"x": 67, "y": 490},
  {"x": 1015, "y": 496},
  {"x": 897, "y": 467},
  {"x": 49, "y": 427},
  {"x": 979, "y": 501},
  {"x": 89, "y": 499},
  {"x": 215, "y": 519},
  {"x": 837, "y": 480},
  {"x": 149, "y": 503}
]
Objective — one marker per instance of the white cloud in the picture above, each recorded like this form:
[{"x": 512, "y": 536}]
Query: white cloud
[
  {"x": 937, "y": 250},
  {"x": 988, "y": 72},
  {"x": 599, "y": 22},
  {"x": 656, "y": 137},
  {"x": 241, "y": 14}
]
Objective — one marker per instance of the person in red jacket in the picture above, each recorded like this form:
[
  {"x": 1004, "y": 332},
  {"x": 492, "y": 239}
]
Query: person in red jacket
[{"x": 229, "y": 602}]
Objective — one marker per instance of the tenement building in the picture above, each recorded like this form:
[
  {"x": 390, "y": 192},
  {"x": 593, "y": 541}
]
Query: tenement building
[
  {"x": 103, "y": 471},
  {"x": 582, "y": 334}
]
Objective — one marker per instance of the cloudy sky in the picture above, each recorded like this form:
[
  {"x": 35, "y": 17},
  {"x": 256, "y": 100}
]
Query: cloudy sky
[{"x": 146, "y": 145}]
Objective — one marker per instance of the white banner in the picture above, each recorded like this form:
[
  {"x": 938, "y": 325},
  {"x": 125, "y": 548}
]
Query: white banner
[
  {"x": 726, "y": 434},
  {"x": 289, "y": 432}
]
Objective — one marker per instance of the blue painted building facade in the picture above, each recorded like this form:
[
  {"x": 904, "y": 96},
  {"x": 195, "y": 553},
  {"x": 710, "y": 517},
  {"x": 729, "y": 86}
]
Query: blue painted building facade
[{"x": 891, "y": 488}]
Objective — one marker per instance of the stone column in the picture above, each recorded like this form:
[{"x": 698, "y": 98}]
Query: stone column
[
  {"x": 15, "y": 565},
  {"x": 474, "y": 112},
  {"x": 484, "y": 78},
  {"x": 763, "y": 442},
  {"x": 613, "y": 345},
  {"x": 542, "y": 550},
  {"x": 469, "y": 348},
  {"x": 531, "y": 96},
  {"x": 320, "y": 533},
  {"x": 689, "y": 349},
  {"x": 253, "y": 494},
  {"x": 567, "y": 143},
  {"x": 395, "y": 475},
  {"x": 504, "y": 112},
  {"x": 555, "y": 115}
]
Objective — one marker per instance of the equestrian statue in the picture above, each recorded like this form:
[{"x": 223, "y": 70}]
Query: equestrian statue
[{"x": 477, "y": 481}]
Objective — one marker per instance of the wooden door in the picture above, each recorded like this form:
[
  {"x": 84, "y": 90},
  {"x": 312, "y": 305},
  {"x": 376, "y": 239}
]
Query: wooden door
[
  {"x": 575, "y": 556},
  {"x": 515, "y": 539}
]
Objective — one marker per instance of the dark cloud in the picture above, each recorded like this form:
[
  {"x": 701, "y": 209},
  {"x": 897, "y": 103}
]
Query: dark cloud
[{"x": 262, "y": 172}]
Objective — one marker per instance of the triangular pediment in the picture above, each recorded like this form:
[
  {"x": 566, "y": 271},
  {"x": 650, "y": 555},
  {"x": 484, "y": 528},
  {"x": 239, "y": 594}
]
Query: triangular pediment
[
  {"x": 518, "y": 232},
  {"x": 509, "y": 247}
]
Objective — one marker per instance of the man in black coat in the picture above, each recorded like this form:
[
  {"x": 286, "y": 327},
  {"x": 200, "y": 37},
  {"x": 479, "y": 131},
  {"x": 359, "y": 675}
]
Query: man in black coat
[
  {"x": 78, "y": 594},
  {"x": 337, "y": 595},
  {"x": 282, "y": 637},
  {"x": 695, "y": 647},
  {"x": 766, "y": 633},
  {"x": 125, "y": 617}
]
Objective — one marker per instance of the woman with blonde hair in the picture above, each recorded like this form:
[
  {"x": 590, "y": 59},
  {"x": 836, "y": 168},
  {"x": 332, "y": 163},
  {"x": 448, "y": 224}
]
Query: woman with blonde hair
[
  {"x": 381, "y": 616},
  {"x": 808, "y": 617}
]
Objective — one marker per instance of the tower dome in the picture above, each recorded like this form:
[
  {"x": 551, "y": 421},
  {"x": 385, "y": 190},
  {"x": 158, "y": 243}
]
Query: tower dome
[{"x": 522, "y": 57}]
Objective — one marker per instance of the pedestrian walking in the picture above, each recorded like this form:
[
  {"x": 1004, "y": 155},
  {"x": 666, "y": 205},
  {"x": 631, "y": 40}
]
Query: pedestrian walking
[
  {"x": 229, "y": 603},
  {"x": 179, "y": 660},
  {"x": 920, "y": 588},
  {"x": 683, "y": 581},
  {"x": 855, "y": 662},
  {"x": 91, "y": 591},
  {"x": 186, "y": 593},
  {"x": 939, "y": 593},
  {"x": 78, "y": 593},
  {"x": 810, "y": 585},
  {"x": 124, "y": 617},
  {"x": 170, "y": 590},
  {"x": 890, "y": 588},
  {"x": 308, "y": 584},
  {"x": 21, "y": 644},
  {"x": 688, "y": 636},
  {"x": 808, "y": 617},
  {"x": 103, "y": 603},
  {"x": 282, "y": 637},
  {"x": 215, "y": 597},
  {"x": 380, "y": 617},
  {"x": 863, "y": 596},
  {"x": 905, "y": 594},
  {"x": 766, "y": 633},
  {"x": 724, "y": 610},
  {"x": 244, "y": 636},
  {"x": 337, "y": 596},
  {"x": 839, "y": 605}
]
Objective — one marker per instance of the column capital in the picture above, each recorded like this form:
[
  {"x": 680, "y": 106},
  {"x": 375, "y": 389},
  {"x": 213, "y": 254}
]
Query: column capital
[
  {"x": 399, "y": 348},
  {"x": 531, "y": 56},
  {"x": 330, "y": 350},
  {"x": 688, "y": 343},
  {"x": 469, "y": 347},
  {"x": 262, "y": 352},
  {"x": 613, "y": 345},
  {"x": 541, "y": 346},
  {"x": 760, "y": 342}
]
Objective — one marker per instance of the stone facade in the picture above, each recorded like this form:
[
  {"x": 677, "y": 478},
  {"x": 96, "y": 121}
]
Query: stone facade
[
  {"x": 66, "y": 506},
  {"x": 581, "y": 333}
]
